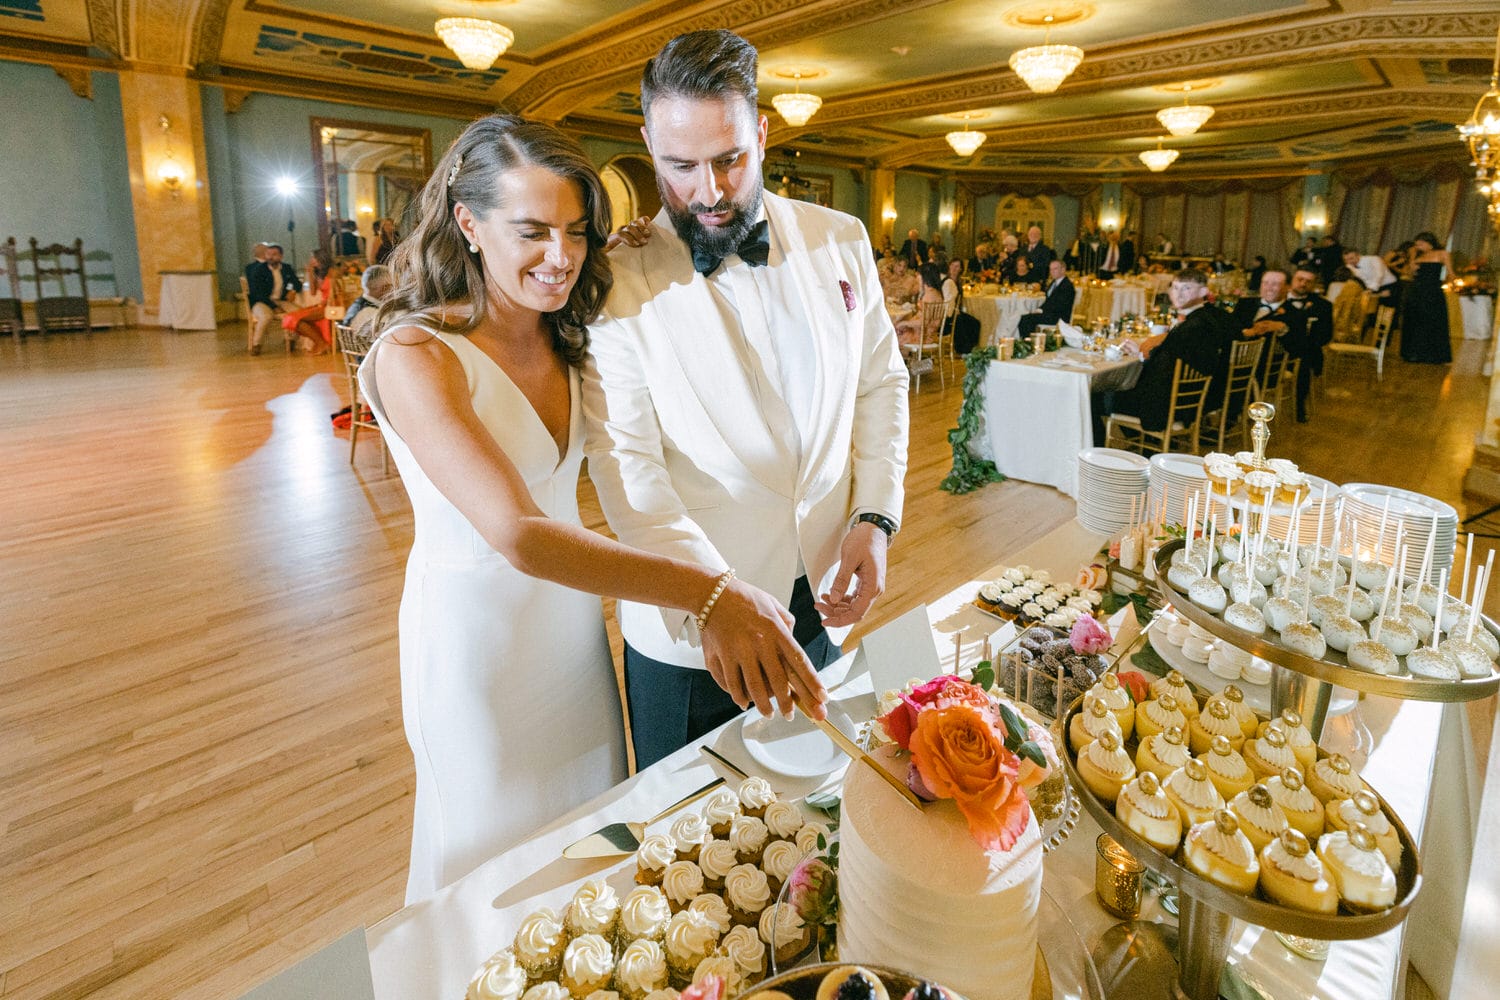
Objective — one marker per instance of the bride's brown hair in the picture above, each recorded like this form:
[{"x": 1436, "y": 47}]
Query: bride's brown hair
[{"x": 433, "y": 267}]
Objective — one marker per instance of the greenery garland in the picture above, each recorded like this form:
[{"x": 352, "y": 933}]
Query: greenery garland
[{"x": 970, "y": 473}]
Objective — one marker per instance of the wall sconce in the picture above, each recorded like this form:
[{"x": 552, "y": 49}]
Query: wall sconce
[
  {"x": 169, "y": 171},
  {"x": 1317, "y": 213},
  {"x": 367, "y": 210},
  {"x": 945, "y": 220},
  {"x": 889, "y": 215}
]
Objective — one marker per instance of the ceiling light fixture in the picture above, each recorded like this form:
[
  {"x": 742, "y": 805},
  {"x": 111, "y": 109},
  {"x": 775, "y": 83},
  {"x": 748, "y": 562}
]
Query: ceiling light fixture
[
  {"x": 965, "y": 141},
  {"x": 1188, "y": 118},
  {"x": 476, "y": 42},
  {"x": 1481, "y": 133},
  {"x": 1158, "y": 159},
  {"x": 796, "y": 108},
  {"x": 1044, "y": 67}
]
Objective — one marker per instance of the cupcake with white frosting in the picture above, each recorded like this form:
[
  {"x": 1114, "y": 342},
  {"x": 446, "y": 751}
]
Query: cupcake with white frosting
[
  {"x": 1105, "y": 767},
  {"x": 715, "y": 860},
  {"x": 778, "y": 862},
  {"x": 547, "y": 990},
  {"x": 748, "y": 835},
  {"x": 652, "y": 857},
  {"x": 642, "y": 968},
  {"x": 791, "y": 936},
  {"x": 643, "y": 916},
  {"x": 809, "y": 835},
  {"x": 715, "y": 909},
  {"x": 783, "y": 820},
  {"x": 721, "y": 965},
  {"x": 690, "y": 938},
  {"x": 747, "y": 951},
  {"x": 755, "y": 795},
  {"x": 500, "y": 978},
  {"x": 594, "y": 910},
  {"x": 682, "y": 881},
  {"x": 539, "y": 944},
  {"x": 690, "y": 833},
  {"x": 747, "y": 893},
  {"x": 588, "y": 964},
  {"x": 720, "y": 810}
]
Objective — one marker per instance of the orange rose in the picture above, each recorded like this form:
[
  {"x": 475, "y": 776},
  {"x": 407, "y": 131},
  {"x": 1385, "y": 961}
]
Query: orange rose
[{"x": 959, "y": 755}]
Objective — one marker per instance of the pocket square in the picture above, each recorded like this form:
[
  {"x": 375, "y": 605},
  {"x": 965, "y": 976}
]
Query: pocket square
[{"x": 848, "y": 290}]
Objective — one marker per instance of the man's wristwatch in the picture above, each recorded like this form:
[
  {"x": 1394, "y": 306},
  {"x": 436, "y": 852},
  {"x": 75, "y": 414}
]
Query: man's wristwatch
[{"x": 880, "y": 521}]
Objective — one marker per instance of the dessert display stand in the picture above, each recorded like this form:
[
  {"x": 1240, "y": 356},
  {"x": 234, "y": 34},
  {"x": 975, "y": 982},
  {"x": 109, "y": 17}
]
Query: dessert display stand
[{"x": 1207, "y": 911}]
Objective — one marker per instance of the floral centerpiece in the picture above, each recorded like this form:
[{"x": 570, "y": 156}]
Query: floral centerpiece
[{"x": 968, "y": 746}]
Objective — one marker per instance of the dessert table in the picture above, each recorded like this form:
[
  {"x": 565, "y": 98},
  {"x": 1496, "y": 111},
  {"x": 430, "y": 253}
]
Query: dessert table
[
  {"x": 1037, "y": 412},
  {"x": 431, "y": 949},
  {"x": 1477, "y": 313},
  {"x": 999, "y": 313}
]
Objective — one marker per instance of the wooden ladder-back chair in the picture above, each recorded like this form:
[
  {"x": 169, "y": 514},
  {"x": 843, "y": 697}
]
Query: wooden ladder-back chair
[
  {"x": 929, "y": 344},
  {"x": 1374, "y": 347},
  {"x": 1239, "y": 389},
  {"x": 353, "y": 345},
  {"x": 60, "y": 312},
  {"x": 1184, "y": 416},
  {"x": 11, "y": 318},
  {"x": 1278, "y": 374}
]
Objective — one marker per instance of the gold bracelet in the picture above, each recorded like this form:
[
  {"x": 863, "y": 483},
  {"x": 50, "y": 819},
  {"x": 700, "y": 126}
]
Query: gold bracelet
[{"x": 713, "y": 599}]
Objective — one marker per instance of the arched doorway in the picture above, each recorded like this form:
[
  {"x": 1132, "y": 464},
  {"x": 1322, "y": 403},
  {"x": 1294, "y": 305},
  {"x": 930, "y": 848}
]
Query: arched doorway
[
  {"x": 630, "y": 181},
  {"x": 1018, "y": 214}
]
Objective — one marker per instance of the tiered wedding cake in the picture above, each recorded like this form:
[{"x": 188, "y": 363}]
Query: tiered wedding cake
[{"x": 917, "y": 893}]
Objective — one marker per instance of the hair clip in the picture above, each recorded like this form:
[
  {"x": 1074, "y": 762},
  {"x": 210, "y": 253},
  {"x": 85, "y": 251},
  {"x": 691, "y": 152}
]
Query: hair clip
[{"x": 453, "y": 173}]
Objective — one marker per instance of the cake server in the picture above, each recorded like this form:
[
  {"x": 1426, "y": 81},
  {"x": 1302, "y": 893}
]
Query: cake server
[
  {"x": 858, "y": 753},
  {"x": 620, "y": 839}
]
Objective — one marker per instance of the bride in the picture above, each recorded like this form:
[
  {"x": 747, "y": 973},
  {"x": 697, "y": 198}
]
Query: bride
[{"x": 508, "y": 690}]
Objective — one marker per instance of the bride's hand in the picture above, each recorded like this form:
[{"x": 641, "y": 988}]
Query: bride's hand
[{"x": 750, "y": 651}]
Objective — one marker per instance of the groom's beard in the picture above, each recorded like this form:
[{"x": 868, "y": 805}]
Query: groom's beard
[{"x": 718, "y": 241}]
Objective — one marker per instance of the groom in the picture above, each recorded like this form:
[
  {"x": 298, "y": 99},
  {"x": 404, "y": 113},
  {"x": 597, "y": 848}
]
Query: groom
[{"x": 745, "y": 397}]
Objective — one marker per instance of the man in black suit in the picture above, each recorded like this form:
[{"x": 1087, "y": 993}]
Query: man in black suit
[
  {"x": 1200, "y": 337},
  {"x": 1038, "y": 254},
  {"x": 1115, "y": 259},
  {"x": 1270, "y": 315},
  {"x": 1327, "y": 259},
  {"x": 272, "y": 290},
  {"x": 1312, "y": 335},
  {"x": 914, "y": 250},
  {"x": 1056, "y": 307}
]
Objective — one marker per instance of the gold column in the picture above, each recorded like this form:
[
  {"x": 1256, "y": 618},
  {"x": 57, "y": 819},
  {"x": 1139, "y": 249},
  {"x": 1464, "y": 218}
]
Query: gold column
[
  {"x": 882, "y": 204},
  {"x": 173, "y": 229}
]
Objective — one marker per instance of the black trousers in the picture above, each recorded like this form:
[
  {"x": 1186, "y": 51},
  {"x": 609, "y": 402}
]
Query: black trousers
[{"x": 670, "y": 706}]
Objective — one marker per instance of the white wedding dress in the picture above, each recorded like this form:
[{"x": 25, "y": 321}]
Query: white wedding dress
[{"x": 507, "y": 687}]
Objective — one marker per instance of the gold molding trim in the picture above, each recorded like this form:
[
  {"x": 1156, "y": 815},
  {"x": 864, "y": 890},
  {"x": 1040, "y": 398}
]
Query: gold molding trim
[
  {"x": 1033, "y": 16},
  {"x": 265, "y": 8},
  {"x": 79, "y": 79}
]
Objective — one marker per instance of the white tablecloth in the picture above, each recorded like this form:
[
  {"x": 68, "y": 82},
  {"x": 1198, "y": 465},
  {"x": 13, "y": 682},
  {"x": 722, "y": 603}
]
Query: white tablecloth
[
  {"x": 1478, "y": 313},
  {"x": 999, "y": 314},
  {"x": 187, "y": 300},
  {"x": 1037, "y": 415},
  {"x": 429, "y": 950},
  {"x": 1110, "y": 302}
]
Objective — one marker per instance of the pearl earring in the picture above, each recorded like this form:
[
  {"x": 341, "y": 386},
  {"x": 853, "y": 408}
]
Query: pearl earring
[{"x": 473, "y": 248}]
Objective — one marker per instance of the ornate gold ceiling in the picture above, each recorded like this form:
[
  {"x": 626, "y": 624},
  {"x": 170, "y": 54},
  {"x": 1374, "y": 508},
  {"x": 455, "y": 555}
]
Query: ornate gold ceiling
[{"x": 1294, "y": 82}]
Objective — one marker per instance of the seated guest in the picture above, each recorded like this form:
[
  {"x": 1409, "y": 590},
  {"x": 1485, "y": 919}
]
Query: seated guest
[
  {"x": 1372, "y": 273},
  {"x": 1269, "y": 315},
  {"x": 1038, "y": 254},
  {"x": 984, "y": 259},
  {"x": 375, "y": 285},
  {"x": 1347, "y": 293},
  {"x": 1200, "y": 337},
  {"x": 1056, "y": 307},
  {"x": 887, "y": 249},
  {"x": 909, "y": 331},
  {"x": 273, "y": 287},
  {"x": 1253, "y": 276},
  {"x": 901, "y": 283},
  {"x": 1220, "y": 265},
  {"x": 1010, "y": 255},
  {"x": 953, "y": 289},
  {"x": 1164, "y": 246},
  {"x": 310, "y": 321},
  {"x": 346, "y": 242},
  {"x": 937, "y": 253},
  {"x": 1017, "y": 270},
  {"x": 1306, "y": 340}
]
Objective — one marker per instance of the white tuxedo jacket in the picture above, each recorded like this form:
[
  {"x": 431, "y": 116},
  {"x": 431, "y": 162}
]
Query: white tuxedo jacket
[{"x": 683, "y": 459}]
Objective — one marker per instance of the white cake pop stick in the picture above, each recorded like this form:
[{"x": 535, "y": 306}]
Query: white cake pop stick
[
  {"x": 1318, "y": 543},
  {"x": 1385, "y": 603},
  {"x": 1442, "y": 597},
  {"x": 1427, "y": 557},
  {"x": 1481, "y": 582},
  {"x": 1338, "y": 521},
  {"x": 1349, "y": 597},
  {"x": 1385, "y": 512},
  {"x": 1463, "y": 588}
]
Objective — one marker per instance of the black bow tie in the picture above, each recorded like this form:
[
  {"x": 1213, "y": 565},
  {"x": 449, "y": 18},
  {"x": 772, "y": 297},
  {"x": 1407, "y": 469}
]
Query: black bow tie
[{"x": 754, "y": 250}]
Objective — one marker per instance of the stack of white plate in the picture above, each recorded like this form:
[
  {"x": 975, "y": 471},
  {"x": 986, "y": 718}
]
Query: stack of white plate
[
  {"x": 1176, "y": 477},
  {"x": 1314, "y": 510},
  {"x": 1421, "y": 515},
  {"x": 1110, "y": 483}
]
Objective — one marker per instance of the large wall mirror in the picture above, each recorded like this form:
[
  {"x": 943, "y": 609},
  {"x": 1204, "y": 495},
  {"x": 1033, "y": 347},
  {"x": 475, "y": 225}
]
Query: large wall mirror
[{"x": 367, "y": 172}]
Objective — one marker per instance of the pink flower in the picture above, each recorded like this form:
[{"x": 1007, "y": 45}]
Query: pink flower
[
  {"x": 814, "y": 891},
  {"x": 1088, "y": 636},
  {"x": 708, "y": 988},
  {"x": 1114, "y": 550},
  {"x": 940, "y": 692}
]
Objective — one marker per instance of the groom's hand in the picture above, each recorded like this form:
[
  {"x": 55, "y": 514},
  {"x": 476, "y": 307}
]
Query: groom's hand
[
  {"x": 751, "y": 653},
  {"x": 862, "y": 563}
]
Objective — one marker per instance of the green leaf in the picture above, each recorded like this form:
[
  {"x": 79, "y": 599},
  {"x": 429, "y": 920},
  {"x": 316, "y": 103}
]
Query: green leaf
[
  {"x": 1033, "y": 753},
  {"x": 825, "y": 801},
  {"x": 1015, "y": 727},
  {"x": 984, "y": 675}
]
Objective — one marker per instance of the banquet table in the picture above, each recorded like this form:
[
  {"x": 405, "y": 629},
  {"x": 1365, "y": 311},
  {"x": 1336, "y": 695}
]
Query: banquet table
[
  {"x": 187, "y": 300},
  {"x": 1477, "y": 313},
  {"x": 999, "y": 313},
  {"x": 431, "y": 949},
  {"x": 1110, "y": 301},
  {"x": 1037, "y": 413}
]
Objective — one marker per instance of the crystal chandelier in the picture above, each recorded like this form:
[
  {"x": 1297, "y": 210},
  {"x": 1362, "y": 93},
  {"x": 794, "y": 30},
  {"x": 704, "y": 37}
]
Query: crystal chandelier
[
  {"x": 476, "y": 42},
  {"x": 1481, "y": 133},
  {"x": 1188, "y": 118},
  {"x": 965, "y": 140},
  {"x": 796, "y": 108},
  {"x": 1158, "y": 159},
  {"x": 1044, "y": 67}
]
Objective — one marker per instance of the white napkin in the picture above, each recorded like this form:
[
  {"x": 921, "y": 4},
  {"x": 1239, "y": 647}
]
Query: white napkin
[{"x": 1069, "y": 331}]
